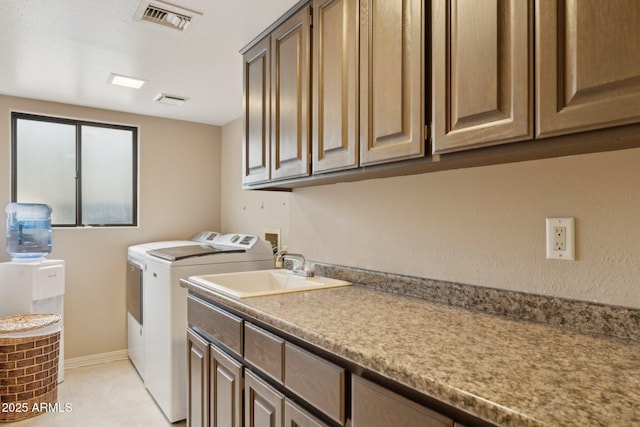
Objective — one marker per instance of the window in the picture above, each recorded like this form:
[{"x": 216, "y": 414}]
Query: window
[{"x": 87, "y": 172}]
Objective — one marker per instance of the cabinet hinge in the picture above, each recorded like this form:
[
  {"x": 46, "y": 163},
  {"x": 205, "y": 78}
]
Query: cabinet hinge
[
  {"x": 311, "y": 17},
  {"x": 427, "y": 133}
]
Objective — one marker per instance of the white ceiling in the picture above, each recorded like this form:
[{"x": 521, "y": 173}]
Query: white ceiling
[{"x": 64, "y": 51}]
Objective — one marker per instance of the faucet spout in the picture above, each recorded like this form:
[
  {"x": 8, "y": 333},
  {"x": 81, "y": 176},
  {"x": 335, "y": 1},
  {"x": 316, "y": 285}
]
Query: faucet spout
[{"x": 298, "y": 261}]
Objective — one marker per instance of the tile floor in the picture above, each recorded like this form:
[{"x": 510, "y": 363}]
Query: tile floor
[{"x": 103, "y": 395}]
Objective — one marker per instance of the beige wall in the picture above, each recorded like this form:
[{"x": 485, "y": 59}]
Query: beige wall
[
  {"x": 248, "y": 211},
  {"x": 483, "y": 226},
  {"x": 179, "y": 194}
]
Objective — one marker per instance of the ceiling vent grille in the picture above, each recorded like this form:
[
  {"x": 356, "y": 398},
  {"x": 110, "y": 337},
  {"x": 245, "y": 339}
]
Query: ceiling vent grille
[
  {"x": 166, "y": 14},
  {"x": 174, "y": 100}
]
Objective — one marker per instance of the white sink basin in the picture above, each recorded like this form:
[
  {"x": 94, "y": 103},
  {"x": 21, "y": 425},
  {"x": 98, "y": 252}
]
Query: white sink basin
[{"x": 263, "y": 282}]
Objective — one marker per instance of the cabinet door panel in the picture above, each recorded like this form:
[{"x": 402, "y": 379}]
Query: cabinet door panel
[
  {"x": 295, "y": 416},
  {"x": 198, "y": 376},
  {"x": 290, "y": 46},
  {"x": 391, "y": 80},
  {"x": 226, "y": 390},
  {"x": 256, "y": 99},
  {"x": 263, "y": 405},
  {"x": 588, "y": 64},
  {"x": 482, "y": 73},
  {"x": 335, "y": 85}
]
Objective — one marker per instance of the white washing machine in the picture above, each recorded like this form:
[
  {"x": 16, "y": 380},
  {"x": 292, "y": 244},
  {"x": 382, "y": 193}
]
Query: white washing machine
[
  {"x": 165, "y": 308},
  {"x": 34, "y": 286},
  {"x": 135, "y": 291}
]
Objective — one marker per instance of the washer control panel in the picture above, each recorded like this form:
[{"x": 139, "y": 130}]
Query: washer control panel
[
  {"x": 206, "y": 237},
  {"x": 237, "y": 240}
]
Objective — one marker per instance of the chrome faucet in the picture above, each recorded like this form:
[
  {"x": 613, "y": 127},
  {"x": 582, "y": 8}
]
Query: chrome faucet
[{"x": 298, "y": 261}]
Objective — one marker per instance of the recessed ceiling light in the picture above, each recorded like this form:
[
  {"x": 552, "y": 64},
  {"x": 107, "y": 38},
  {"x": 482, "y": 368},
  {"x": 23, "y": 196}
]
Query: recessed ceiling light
[{"x": 120, "y": 80}]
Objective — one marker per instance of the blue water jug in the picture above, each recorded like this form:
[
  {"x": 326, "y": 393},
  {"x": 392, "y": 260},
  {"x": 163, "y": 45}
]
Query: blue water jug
[{"x": 28, "y": 230}]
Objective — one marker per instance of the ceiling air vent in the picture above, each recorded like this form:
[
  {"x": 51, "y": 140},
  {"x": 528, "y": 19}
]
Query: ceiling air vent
[
  {"x": 174, "y": 100},
  {"x": 166, "y": 14}
]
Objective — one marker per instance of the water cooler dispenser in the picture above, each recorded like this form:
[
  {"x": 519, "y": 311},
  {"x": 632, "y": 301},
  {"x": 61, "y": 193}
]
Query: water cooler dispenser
[{"x": 30, "y": 283}]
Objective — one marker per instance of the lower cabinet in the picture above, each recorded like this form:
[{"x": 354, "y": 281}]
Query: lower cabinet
[
  {"x": 263, "y": 405},
  {"x": 198, "y": 375},
  {"x": 267, "y": 407},
  {"x": 317, "y": 381},
  {"x": 225, "y": 382},
  {"x": 215, "y": 385},
  {"x": 295, "y": 416},
  {"x": 375, "y": 406},
  {"x": 242, "y": 375}
]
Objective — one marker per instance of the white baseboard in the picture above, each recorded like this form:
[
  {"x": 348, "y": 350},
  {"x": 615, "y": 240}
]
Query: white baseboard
[{"x": 112, "y": 356}]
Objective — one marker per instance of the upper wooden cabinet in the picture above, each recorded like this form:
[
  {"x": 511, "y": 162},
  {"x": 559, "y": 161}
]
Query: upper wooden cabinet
[
  {"x": 257, "y": 118},
  {"x": 392, "y": 91},
  {"x": 335, "y": 85},
  {"x": 361, "y": 104},
  {"x": 353, "y": 97},
  {"x": 482, "y": 73},
  {"x": 276, "y": 131},
  {"x": 290, "y": 107},
  {"x": 368, "y": 82},
  {"x": 587, "y": 64}
]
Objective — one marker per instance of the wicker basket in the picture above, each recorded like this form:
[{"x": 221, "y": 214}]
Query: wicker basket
[{"x": 28, "y": 364}]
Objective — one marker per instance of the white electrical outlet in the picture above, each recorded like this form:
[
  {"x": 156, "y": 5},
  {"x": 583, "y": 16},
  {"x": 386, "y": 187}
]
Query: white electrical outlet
[{"x": 561, "y": 238}]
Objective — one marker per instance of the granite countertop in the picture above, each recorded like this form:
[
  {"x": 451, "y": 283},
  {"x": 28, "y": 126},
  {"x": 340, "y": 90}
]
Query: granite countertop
[{"x": 508, "y": 372}]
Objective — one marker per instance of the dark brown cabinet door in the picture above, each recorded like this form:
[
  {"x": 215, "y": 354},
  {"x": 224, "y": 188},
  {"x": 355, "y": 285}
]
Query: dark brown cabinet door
[
  {"x": 392, "y": 88},
  {"x": 257, "y": 113},
  {"x": 290, "y": 104},
  {"x": 263, "y": 405},
  {"x": 587, "y": 64},
  {"x": 225, "y": 408},
  {"x": 198, "y": 378},
  {"x": 335, "y": 85},
  {"x": 482, "y": 73},
  {"x": 295, "y": 416}
]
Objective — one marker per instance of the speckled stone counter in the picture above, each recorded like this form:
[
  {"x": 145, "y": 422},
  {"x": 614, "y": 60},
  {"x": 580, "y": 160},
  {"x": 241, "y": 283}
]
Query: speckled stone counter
[{"x": 508, "y": 372}]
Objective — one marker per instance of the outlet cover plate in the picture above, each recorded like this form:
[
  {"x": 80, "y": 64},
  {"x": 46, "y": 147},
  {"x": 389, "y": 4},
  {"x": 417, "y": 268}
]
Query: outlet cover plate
[{"x": 568, "y": 228}]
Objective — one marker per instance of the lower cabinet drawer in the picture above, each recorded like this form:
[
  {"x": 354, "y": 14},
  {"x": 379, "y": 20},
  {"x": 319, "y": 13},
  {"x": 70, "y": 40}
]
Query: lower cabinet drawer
[
  {"x": 218, "y": 324},
  {"x": 265, "y": 351},
  {"x": 375, "y": 406},
  {"x": 317, "y": 381}
]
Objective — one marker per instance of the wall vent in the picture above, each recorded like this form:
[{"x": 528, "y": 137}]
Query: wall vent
[
  {"x": 174, "y": 100},
  {"x": 166, "y": 14}
]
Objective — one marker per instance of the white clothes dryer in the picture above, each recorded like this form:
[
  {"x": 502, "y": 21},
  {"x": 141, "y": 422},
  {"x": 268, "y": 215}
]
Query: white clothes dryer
[{"x": 135, "y": 291}]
